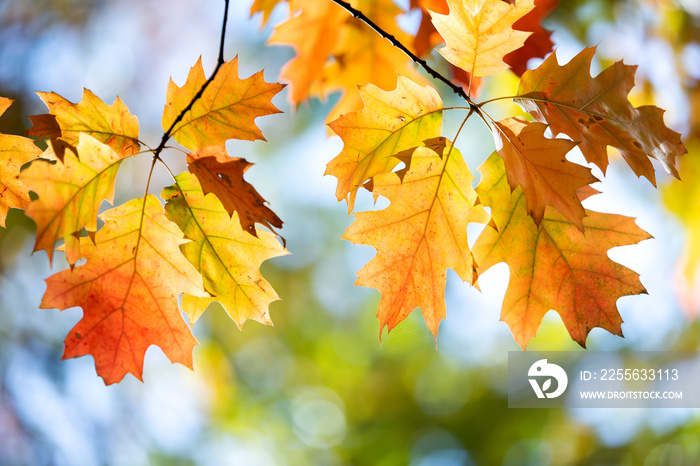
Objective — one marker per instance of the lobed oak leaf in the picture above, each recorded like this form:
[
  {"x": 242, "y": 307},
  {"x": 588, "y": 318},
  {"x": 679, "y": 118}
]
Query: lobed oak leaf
[
  {"x": 539, "y": 43},
  {"x": 554, "y": 266},
  {"x": 420, "y": 234},
  {"x": 428, "y": 37},
  {"x": 223, "y": 176},
  {"x": 479, "y": 33},
  {"x": 539, "y": 165},
  {"x": 226, "y": 110},
  {"x": 70, "y": 193},
  {"x": 390, "y": 122},
  {"x": 15, "y": 151},
  {"x": 314, "y": 32},
  {"x": 128, "y": 290},
  {"x": 596, "y": 113},
  {"x": 112, "y": 125},
  {"x": 228, "y": 258}
]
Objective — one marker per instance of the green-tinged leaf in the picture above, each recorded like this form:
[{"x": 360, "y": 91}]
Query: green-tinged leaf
[{"x": 228, "y": 258}]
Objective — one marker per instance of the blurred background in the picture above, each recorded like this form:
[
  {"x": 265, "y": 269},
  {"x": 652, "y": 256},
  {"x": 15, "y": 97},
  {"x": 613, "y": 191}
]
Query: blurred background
[{"x": 318, "y": 387}]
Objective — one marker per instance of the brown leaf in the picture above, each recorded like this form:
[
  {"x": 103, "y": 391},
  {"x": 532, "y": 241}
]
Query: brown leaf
[
  {"x": 596, "y": 113},
  {"x": 223, "y": 175},
  {"x": 539, "y": 165}
]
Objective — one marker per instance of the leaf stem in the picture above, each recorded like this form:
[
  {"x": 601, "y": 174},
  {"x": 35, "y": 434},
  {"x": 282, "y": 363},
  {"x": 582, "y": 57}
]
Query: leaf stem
[
  {"x": 395, "y": 42},
  {"x": 495, "y": 99}
]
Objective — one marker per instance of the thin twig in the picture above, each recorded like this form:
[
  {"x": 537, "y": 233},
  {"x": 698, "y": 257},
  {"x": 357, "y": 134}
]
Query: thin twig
[
  {"x": 219, "y": 64},
  {"x": 395, "y": 42}
]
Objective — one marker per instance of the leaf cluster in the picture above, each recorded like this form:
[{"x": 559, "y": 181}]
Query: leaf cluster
[{"x": 150, "y": 261}]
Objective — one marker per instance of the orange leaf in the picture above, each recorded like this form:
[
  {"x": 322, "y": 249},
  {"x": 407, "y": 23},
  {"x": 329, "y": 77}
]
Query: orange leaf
[
  {"x": 128, "y": 290},
  {"x": 538, "y": 164},
  {"x": 390, "y": 122},
  {"x": 537, "y": 45},
  {"x": 596, "y": 113},
  {"x": 314, "y": 32},
  {"x": 360, "y": 56},
  {"x": 420, "y": 234},
  {"x": 70, "y": 193},
  {"x": 15, "y": 151},
  {"x": 227, "y": 109},
  {"x": 223, "y": 175},
  {"x": 554, "y": 266},
  {"x": 228, "y": 258},
  {"x": 479, "y": 33},
  {"x": 265, "y": 7},
  {"x": 110, "y": 124},
  {"x": 427, "y": 36}
]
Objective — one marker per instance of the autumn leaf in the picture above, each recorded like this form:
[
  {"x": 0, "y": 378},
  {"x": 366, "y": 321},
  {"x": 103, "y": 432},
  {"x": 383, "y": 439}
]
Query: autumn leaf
[
  {"x": 427, "y": 36},
  {"x": 46, "y": 126},
  {"x": 420, "y": 234},
  {"x": 228, "y": 258},
  {"x": 554, "y": 266},
  {"x": 15, "y": 151},
  {"x": 314, "y": 32},
  {"x": 362, "y": 56},
  {"x": 226, "y": 110},
  {"x": 128, "y": 290},
  {"x": 265, "y": 7},
  {"x": 479, "y": 33},
  {"x": 223, "y": 175},
  {"x": 538, "y": 164},
  {"x": 539, "y": 43},
  {"x": 390, "y": 122},
  {"x": 110, "y": 124},
  {"x": 70, "y": 193},
  {"x": 597, "y": 113}
]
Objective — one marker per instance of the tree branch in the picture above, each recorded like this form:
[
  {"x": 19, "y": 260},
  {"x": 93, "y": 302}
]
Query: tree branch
[
  {"x": 395, "y": 42},
  {"x": 198, "y": 95}
]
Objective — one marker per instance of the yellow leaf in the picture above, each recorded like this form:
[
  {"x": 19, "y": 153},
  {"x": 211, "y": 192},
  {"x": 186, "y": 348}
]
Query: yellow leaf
[
  {"x": 228, "y": 258},
  {"x": 15, "y": 151},
  {"x": 70, "y": 193},
  {"x": 227, "y": 109},
  {"x": 110, "y": 124},
  {"x": 479, "y": 33},
  {"x": 390, "y": 122}
]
